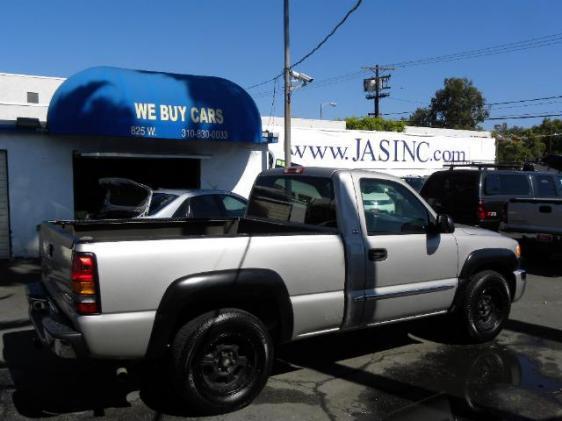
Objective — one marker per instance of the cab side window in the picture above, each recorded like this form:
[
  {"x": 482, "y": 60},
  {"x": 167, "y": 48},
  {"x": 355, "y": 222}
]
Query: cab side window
[
  {"x": 507, "y": 184},
  {"x": 391, "y": 209},
  {"x": 545, "y": 186}
]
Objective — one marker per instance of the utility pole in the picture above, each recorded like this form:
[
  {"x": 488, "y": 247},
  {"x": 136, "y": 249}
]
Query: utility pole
[
  {"x": 287, "y": 114},
  {"x": 376, "y": 86}
]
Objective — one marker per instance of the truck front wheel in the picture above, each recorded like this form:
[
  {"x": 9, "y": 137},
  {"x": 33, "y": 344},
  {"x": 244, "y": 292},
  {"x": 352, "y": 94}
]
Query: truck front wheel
[
  {"x": 486, "y": 306},
  {"x": 221, "y": 360}
]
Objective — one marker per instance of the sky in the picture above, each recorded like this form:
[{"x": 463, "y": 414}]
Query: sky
[{"x": 242, "y": 40}]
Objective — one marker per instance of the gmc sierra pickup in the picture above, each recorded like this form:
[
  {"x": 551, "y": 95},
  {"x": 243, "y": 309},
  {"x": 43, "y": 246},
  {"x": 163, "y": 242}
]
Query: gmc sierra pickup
[{"x": 313, "y": 255}]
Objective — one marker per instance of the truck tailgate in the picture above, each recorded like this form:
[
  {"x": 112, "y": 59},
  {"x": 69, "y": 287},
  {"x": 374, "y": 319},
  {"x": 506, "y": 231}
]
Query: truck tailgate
[
  {"x": 534, "y": 216},
  {"x": 56, "y": 247}
]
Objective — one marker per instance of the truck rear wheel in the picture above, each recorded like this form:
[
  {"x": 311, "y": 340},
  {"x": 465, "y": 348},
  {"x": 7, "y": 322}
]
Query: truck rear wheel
[
  {"x": 486, "y": 306},
  {"x": 221, "y": 360}
]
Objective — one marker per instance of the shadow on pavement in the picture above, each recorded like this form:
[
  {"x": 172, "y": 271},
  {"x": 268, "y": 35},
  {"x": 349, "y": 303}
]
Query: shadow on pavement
[
  {"x": 531, "y": 329},
  {"x": 543, "y": 265},
  {"x": 476, "y": 382},
  {"x": 47, "y": 385}
]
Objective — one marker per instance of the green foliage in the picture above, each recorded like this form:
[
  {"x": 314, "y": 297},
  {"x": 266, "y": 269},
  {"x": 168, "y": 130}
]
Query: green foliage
[
  {"x": 518, "y": 144},
  {"x": 375, "y": 124},
  {"x": 459, "y": 105}
]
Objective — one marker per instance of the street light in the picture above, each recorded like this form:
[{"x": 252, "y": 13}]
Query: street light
[{"x": 331, "y": 104}]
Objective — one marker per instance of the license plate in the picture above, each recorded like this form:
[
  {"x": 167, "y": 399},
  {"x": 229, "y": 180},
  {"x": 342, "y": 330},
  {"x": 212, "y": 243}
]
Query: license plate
[{"x": 545, "y": 238}]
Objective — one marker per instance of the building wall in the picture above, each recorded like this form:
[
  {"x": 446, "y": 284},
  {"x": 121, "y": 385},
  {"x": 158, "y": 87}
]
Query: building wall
[
  {"x": 13, "y": 95},
  {"x": 41, "y": 173},
  {"x": 40, "y": 186}
]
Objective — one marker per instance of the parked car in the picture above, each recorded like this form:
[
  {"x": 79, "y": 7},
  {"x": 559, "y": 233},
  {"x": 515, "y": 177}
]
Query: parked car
[
  {"x": 128, "y": 199},
  {"x": 308, "y": 259},
  {"x": 378, "y": 201},
  {"x": 478, "y": 196}
]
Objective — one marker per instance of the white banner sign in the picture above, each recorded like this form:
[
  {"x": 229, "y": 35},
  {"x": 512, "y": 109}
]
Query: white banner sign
[{"x": 384, "y": 151}]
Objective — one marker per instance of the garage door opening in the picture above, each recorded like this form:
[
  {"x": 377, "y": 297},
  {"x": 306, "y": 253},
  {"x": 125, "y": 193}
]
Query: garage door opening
[{"x": 155, "y": 172}]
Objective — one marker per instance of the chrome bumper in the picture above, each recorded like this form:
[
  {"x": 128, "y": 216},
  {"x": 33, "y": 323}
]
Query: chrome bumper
[{"x": 520, "y": 283}]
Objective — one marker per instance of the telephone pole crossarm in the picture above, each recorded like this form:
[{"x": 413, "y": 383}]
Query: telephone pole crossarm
[{"x": 375, "y": 86}]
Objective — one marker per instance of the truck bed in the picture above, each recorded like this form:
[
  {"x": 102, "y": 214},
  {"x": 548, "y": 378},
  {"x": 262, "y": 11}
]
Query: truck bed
[{"x": 160, "y": 229}]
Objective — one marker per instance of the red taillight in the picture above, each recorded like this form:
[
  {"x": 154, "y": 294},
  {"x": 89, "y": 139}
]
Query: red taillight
[
  {"x": 84, "y": 283},
  {"x": 481, "y": 212},
  {"x": 87, "y": 308},
  {"x": 83, "y": 267}
]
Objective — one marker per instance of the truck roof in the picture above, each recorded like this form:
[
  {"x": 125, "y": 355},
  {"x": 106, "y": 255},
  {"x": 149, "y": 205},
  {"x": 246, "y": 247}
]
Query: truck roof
[{"x": 329, "y": 172}]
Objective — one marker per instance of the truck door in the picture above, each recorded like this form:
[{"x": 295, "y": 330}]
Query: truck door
[{"x": 411, "y": 270}]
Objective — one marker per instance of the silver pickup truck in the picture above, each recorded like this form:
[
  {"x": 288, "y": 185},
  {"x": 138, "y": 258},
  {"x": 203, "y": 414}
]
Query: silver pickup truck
[{"x": 314, "y": 254}]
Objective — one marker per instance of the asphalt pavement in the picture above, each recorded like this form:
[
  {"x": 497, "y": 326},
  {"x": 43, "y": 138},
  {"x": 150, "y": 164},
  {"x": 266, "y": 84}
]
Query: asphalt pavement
[{"x": 409, "y": 371}]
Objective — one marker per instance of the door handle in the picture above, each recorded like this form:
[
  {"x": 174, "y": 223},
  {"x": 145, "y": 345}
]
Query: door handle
[
  {"x": 377, "y": 255},
  {"x": 545, "y": 209}
]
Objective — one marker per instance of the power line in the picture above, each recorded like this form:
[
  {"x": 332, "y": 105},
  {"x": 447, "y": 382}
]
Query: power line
[
  {"x": 316, "y": 48},
  {"x": 539, "y": 42},
  {"x": 525, "y": 105},
  {"x": 525, "y": 116},
  {"x": 272, "y": 109},
  {"x": 265, "y": 82},
  {"x": 330, "y": 34},
  {"x": 522, "y": 102},
  {"x": 493, "y": 50},
  {"x": 412, "y": 101},
  {"x": 544, "y": 41},
  {"x": 526, "y": 100},
  {"x": 402, "y": 112}
]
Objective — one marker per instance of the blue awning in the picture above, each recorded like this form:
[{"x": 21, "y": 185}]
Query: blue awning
[{"x": 108, "y": 101}]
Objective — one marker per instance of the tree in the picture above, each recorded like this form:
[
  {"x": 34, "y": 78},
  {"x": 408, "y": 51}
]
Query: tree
[
  {"x": 519, "y": 144},
  {"x": 374, "y": 123},
  {"x": 459, "y": 105}
]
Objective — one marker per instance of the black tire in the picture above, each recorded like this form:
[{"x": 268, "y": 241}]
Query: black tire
[
  {"x": 221, "y": 360},
  {"x": 485, "y": 307}
]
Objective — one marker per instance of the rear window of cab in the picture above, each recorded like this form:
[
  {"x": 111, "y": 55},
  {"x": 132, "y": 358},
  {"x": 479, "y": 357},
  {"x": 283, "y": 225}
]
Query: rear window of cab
[{"x": 297, "y": 199}]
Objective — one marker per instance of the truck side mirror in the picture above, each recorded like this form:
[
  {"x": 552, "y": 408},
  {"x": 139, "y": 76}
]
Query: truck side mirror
[{"x": 445, "y": 224}]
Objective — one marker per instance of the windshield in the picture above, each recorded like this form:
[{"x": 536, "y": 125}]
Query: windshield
[{"x": 160, "y": 201}]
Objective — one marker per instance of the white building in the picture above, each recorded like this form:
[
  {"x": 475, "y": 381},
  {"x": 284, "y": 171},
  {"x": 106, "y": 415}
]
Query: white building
[{"x": 26, "y": 96}]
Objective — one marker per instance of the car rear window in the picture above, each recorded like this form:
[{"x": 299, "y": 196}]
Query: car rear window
[
  {"x": 159, "y": 201},
  {"x": 297, "y": 199},
  {"x": 507, "y": 184}
]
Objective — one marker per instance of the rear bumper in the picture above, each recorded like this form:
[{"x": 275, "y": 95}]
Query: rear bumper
[
  {"x": 538, "y": 237},
  {"x": 520, "y": 283},
  {"x": 52, "y": 328}
]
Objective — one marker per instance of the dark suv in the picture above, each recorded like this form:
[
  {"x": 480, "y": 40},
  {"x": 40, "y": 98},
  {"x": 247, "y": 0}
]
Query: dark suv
[{"x": 478, "y": 196}]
